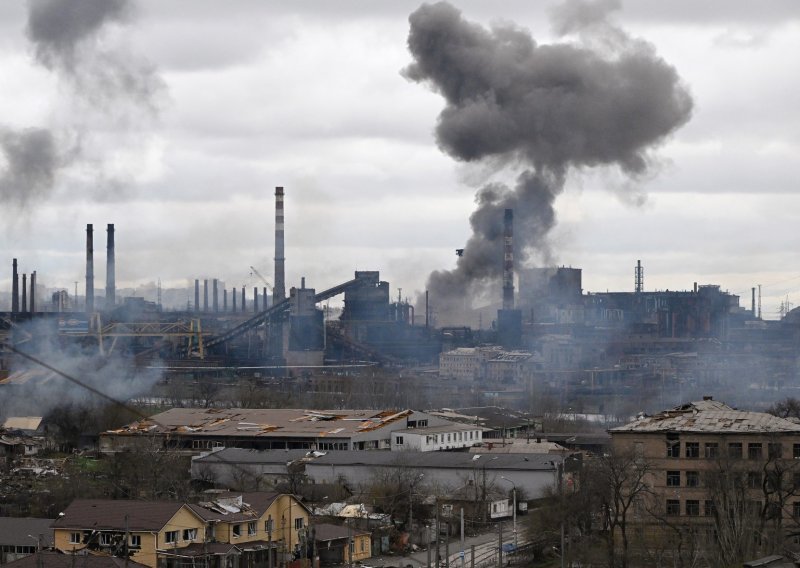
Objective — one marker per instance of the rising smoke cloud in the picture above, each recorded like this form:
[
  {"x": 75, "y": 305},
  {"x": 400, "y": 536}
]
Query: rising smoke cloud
[
  {"x": 108, "y": 93},
  {"x": 605, "y": 100}
]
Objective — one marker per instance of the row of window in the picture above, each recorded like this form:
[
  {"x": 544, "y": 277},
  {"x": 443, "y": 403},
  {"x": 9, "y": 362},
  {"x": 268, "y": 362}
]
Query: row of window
[
  {"x": 754, "y": 479},
  {"x": 108, "y": 538},
  {"x": 711, "y": 450},
  {"x": 691, "y": 508}
]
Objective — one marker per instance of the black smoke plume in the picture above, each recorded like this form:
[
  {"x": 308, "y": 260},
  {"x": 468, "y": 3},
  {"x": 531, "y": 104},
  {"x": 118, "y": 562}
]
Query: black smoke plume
[
  {"x": 605, "y": 100},
  {"x": 106, "y": 89}
]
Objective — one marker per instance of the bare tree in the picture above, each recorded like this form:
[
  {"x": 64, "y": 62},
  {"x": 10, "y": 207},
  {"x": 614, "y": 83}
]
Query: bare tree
[{"x": 621, "y": 479}]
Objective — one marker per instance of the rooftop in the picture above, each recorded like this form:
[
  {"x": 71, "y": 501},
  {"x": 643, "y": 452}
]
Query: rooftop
[
  {"x": 58, "y": 560},
  {"x": 254, "y": 422},
  {"x": 709, "y": 416},
  {"x": 326, "y": 531},
  {"x": 454, "y": 460},
  {"x": 108, "y": 514},
  {"x": 14, "y": 531}
]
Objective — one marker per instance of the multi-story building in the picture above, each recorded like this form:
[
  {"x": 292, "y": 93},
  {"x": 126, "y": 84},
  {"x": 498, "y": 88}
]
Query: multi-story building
[
  {"x": 707, "y": 463},
  {"x": 249, "y": 526}
]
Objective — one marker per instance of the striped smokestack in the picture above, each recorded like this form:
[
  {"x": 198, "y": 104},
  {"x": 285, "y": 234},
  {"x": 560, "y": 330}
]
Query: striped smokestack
[
  {"x": 89, "y": 268},
  {"x": 14, "y": 287},
  {"x": 279, "y": 291},
  {"x": 508, "y": 260},
  {"x": 111, "y": 278}
]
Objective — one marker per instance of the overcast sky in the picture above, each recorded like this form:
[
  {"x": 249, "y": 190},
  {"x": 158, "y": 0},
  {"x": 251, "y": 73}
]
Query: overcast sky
[{"x": 246, "y": 95}]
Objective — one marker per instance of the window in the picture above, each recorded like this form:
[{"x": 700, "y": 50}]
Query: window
[
  {"x": 796, "y": 509},
  {"x": 708, "y": 508},
  {"x": 673, "y": 479},
  {"x": 75, "y": 538},
  {"x": 189, "y": 534},
  {"x": 692, "y": 449},
  {"x": 673, "y": 507},
  {"x": 712, "y": 450},
  {"x": 251, "y": 528},
  {"x": 796, "y": 451},
  {"x": 775, "y": 450},
  {"x": 105, "y": 539},
  {"x": 774, "y": 480},
  {"x": 673, "y": 449},
  {"x": 398, "y": 440},
  {"x": 754, "y": 479},
  {"x": 269, "y": 525},
  {"x": 298, "y": 523},
  {"x": 692, "y": 479},
  {"x": 754, "y": 451},
  {"x": 363, "y": 544},
  {"x": 171, "y": 537},
  {"x": 735, "y": 450},
  {"x": 693, "y": 507},
  {"x": 237, "y": 531},
  {"x": 136, "y": 541}
]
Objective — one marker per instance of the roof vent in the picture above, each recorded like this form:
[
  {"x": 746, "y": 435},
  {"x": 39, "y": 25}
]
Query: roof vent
[{"x": 706, "y": 397}]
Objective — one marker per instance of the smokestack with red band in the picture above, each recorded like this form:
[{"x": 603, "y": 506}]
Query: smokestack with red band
[
  {"x": 111, "y": 280},
  {"x": 508, "y": 260},
  {"x": 279, "y": 291},
  {"x": 14, "y": 287},
  {"x": 89, "y": 268}
]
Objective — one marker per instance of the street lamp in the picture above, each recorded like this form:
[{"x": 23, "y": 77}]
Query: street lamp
[{"x": 514, "y": 492}]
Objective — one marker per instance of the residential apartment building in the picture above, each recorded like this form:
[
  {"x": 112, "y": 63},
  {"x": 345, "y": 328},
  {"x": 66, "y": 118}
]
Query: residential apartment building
[
  {"x": 708, "y": 463},
  {"x": 243, "y": 528}
]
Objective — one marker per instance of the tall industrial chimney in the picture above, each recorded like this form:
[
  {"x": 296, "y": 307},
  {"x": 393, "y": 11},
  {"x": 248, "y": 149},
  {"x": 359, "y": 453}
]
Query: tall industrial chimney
[
  {"x": 111, "y": 280},
  {"x": 279, "y": 291},
  {"x": 214, "y": 295},
  {"x": 89, "y": 268},
  {"x": 205, "y": 294},
  {"x": 234, "y": 300},
  {"x": 14, "y": 287},
  {"x": 244, "y": 299},
  {"x": 33, "y": 292},
  {"x": 24, "y": 293},
  {"x": 508, "y": 260},
  {"x": 638, "y": 278},
  {"x": 197, "y": 294}
]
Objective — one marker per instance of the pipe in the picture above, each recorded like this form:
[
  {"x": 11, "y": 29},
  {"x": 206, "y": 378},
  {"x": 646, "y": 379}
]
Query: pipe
[
  {"x": 111, "y": 282},
  {"x": 197, "y": 294},
  {"x": 279, "y": 290},
  {"x": 508, "y": 260},
  {"x": 14, "y": 287},
  {"x": 89, "y": 268}
]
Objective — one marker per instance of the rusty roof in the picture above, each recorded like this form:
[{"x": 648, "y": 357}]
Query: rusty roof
[{"x": 709, "y": 416}]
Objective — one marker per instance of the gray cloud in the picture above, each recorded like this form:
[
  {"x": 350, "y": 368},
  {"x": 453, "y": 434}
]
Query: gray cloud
[
  {"x": 547, "y": 107},
  {"x": 30, "y": 162}
]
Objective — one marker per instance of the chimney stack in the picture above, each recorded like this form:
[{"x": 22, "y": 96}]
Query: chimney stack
[
  {"x": 14, "y": 288},
  {"x": 234, "y": 300},
  {"x": 205, "y": 294},
  {"x": 639, "y": 278},
  {"x": 214, "y": 296},
  {"x": 111, "y": 279},
  {"x": 33, "y": 292},
  {"x": 197, "y": 294},
  {"x": 508, "y": 260},
  {"x": 89, "y": 268},
  {"x": 24, "y": 293},
  {"x": 279, "y": 290},
  {"x": 244, "y": 299},
  {"x": 255, "y": 299}
]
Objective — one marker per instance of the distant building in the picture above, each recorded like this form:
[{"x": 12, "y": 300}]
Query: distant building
[
  {"x": 197, "y": 429},
  {"x": 433, "y": 438},
  {"x": 21, "y": 536}
]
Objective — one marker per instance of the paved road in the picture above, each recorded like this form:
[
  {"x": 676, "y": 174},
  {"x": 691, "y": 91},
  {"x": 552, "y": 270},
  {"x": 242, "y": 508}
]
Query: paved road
[{"x": 485, "y": 548}]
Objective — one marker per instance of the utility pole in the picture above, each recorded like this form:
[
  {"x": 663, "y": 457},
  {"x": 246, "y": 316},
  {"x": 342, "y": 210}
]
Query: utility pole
[
  {"x": 438, "y": 559},
  {"x": 463, "y": 560},
  {"x": 428, "y": 536},
  {"x": 500, "y": 545}
]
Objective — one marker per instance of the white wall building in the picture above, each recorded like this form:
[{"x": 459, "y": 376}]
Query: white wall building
[{"x": 433, "y": 438}]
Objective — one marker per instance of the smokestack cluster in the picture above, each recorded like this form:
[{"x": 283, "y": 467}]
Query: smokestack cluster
[
  {"x": 279, "y": 291},
  {"x": 547, "y": 109},
  {"x": 508, "y": 260}
]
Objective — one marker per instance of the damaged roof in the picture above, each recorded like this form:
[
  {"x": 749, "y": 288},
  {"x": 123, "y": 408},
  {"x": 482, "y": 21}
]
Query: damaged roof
[
  {"x": 235, "y": 506},
  {"x": 709, "y": 416},
  {"x": 253, "y": 422}
]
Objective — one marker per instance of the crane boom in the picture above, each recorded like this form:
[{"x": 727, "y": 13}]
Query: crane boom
[{"x": 257, "y": 273}]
